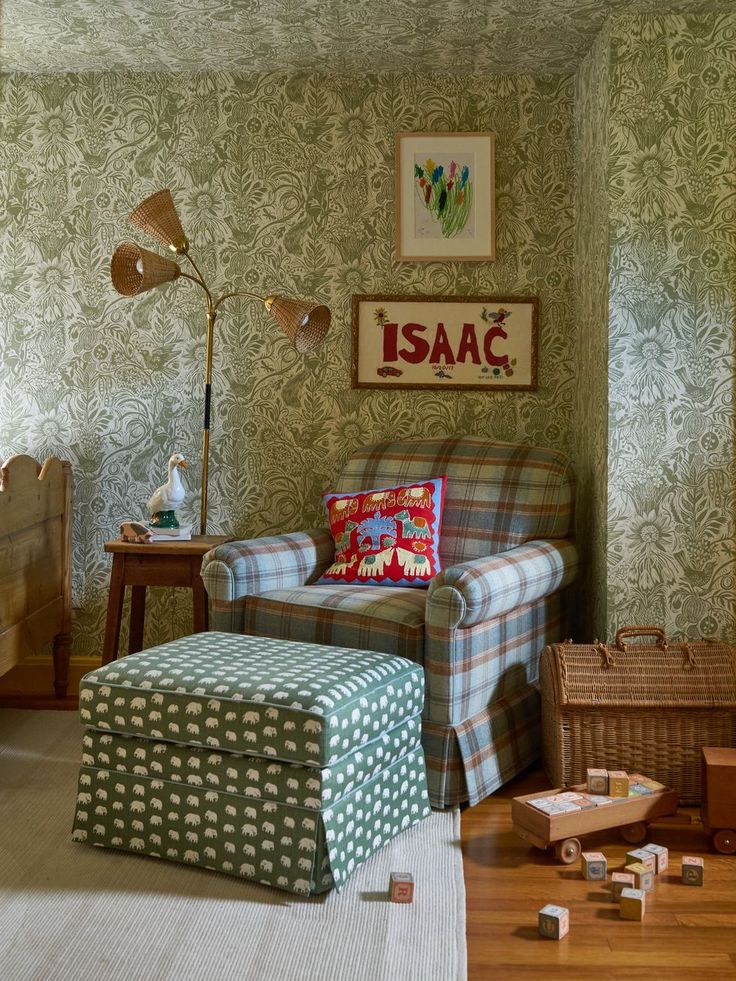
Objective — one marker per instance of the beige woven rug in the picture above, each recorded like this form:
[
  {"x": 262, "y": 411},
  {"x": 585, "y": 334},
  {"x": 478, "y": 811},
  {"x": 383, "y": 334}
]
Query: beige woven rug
[{"x": 69, "y": 912}]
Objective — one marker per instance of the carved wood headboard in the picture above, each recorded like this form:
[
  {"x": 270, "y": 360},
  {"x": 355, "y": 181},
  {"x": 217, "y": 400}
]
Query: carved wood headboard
[{"x": 35, "y": 562}]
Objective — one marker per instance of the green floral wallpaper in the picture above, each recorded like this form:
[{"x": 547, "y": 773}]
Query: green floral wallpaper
[
  {"x": 591, "y": 367},
  {"x": 282, "y": 181},
  {"x": 672, "y": 281},
  {"x": 615, "y": 204},
  {"x": 460, "y": 36}
]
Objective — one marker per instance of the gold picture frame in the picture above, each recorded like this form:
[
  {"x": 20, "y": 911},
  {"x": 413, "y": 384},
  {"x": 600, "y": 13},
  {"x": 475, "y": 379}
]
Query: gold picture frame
[
  {"x": 459, "y": 343},
  {"x": 445, "y": 196}
]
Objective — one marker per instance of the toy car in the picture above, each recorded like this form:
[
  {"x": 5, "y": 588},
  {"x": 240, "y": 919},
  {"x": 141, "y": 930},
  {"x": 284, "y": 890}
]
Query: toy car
[
  {"x": 718, "y": 810},
  {"x": 629, "y": 814},
  {"x": 386, "y": 370}
]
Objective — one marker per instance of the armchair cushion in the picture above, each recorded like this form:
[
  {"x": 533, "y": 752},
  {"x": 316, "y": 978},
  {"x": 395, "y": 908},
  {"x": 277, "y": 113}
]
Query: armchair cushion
[
  {"x": 377, "y": 618},
  {"x": 386, "y": 536}
]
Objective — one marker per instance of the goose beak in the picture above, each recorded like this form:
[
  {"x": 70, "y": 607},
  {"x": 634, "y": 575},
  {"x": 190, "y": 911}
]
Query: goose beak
[{"x": 183, "y": 464}]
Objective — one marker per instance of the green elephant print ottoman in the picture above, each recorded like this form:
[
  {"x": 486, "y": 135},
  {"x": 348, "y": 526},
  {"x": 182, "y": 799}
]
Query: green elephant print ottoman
[{"x": 282, "y": 762}]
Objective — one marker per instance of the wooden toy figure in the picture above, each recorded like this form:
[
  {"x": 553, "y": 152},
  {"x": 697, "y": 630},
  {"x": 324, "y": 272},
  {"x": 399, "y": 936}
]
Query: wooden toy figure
[
  {"x": 618, "y": 783},
  {"x": 620, "y": 881},
  {"x": 597, "y": 781},
  {"x": 643, "y": 877},
  {"x": 401, "y": 887},
  {"x": 661, "y": 854},
  {"x": 643, "y": 856},
  {"x": 134, "y": 531},
  {"x": 633, "y": 904},
  {"x": 554, "y": 921},
  {"x": 693, "y": 869},
  {"x": 594, "y": 866}
]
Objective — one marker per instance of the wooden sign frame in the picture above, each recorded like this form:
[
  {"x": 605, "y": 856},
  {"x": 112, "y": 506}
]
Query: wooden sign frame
[{"x": 459, "y": 343}]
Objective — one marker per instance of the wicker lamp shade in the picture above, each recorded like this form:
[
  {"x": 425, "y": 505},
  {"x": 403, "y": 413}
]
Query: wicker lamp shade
[
  {"x": 305, "y": 324},
  {"x": 134, "y": 270},
  {"x": 157, "y": 216}
]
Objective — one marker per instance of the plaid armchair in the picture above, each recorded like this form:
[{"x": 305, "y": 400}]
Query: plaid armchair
[{"x": 479, "y": 627}]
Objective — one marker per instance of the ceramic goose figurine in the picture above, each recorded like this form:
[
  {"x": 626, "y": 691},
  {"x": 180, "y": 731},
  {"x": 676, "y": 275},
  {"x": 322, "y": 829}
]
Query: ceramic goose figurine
[{"x": 166, "y": 499}]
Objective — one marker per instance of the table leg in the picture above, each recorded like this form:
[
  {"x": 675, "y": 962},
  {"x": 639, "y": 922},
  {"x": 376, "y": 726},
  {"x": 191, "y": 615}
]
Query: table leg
[
  {"x": 199, "y": 604},
  {"x": 137, "y": 619},
  {"x": 114, "y": 609}
]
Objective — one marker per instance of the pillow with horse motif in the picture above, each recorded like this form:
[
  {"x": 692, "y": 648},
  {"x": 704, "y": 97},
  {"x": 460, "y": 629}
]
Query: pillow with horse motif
[{"x": 387, "y": 536}]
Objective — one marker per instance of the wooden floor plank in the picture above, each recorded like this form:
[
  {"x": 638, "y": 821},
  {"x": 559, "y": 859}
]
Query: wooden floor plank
[{"x": 688, "y": 932}]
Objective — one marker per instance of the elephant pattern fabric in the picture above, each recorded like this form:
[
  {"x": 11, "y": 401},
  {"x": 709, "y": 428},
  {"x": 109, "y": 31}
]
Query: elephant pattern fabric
[
  {"x": 283, "y": 762},
  {"x": 387, "y": 536}
]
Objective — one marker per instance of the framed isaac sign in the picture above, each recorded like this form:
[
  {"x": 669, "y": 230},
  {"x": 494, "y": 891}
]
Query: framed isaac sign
[{"x": 454, "y": 342}]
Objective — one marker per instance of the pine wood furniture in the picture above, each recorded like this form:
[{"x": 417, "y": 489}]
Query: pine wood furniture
[
  {"x": 718, "y": 812},
  {"x": 35, "y": 563},
  {"x": 629, "y": 814},
  {"x": 153, "y": 564}
]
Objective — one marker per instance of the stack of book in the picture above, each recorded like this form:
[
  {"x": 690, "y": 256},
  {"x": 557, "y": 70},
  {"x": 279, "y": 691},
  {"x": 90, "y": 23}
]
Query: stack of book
[{"x": 181, "y": 534}]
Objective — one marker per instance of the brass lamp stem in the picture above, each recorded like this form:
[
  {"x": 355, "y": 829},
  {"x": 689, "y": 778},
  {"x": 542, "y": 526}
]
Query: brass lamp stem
[
  {"x": 207, "y": 407},
  {"x": 212, "y": 306},
  {"x": 227, "y": 296}
]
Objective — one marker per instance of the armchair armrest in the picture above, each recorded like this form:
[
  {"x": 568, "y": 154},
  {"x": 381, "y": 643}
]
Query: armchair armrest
[
  {"x": 238, "y": 569},
  {"x": 486, "y": 588}
]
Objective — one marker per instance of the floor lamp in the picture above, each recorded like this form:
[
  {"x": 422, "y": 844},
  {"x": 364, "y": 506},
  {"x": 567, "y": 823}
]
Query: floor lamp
[{"x": 134, "y": 270}]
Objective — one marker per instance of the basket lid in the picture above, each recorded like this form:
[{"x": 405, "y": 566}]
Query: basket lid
[{"x": 696, "y": 675}]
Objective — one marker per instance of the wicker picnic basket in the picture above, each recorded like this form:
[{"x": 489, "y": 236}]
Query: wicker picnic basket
[{"x": 647, "y": 707}]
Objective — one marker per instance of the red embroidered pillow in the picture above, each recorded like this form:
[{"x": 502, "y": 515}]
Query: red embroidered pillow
[{"x": 388, "y": 536}]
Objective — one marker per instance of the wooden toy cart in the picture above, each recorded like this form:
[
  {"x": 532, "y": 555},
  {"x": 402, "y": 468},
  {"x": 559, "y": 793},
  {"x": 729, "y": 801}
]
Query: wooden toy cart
[
  {"x": 630, "y": 815},
  {"x": 718, "y": 812}
]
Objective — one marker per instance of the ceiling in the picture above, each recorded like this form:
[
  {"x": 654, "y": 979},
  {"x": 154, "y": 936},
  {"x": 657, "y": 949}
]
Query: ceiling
[{"x": 458, "y": 36}]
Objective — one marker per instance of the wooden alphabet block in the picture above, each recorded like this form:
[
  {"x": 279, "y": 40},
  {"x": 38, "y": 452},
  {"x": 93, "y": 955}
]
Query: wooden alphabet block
[
  {"x": 632, "y": 904},
  {"x": 693, "y": 870},
  {"x": 618, "y": 783},
  {"x": 661, "y": 855},
  {"x": 619, "y": 881},
  {"x": 554, "y": 921},
  {"x": 401, "y": 887},
  {"x": 594, "y": 866},
  {"x": 643, "y": 877},
  {"x": 597, "y": 781},
  {"x": 642, "y": 856}
]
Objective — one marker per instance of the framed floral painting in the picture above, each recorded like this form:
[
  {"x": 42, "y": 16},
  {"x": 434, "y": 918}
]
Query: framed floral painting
[
  {"x": 485, "y": 343},
  {"x": 445, "y": 196}
]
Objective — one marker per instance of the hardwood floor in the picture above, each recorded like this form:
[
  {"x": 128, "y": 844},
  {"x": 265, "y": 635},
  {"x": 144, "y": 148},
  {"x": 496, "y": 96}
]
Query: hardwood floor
[{"x": 688, "y": 932}]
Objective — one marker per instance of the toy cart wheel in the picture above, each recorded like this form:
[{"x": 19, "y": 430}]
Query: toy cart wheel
[
  {"x": 568, "y": 850},
  {"x": 634, "y": 833},
  {"x": 724, "y": 841}
]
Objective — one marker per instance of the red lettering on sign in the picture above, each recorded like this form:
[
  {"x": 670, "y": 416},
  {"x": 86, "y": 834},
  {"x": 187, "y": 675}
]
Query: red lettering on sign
[
  {"x": 419, "y": 348},
  {"x": 390, "y": 335},
  {"x": 441, "y": 350},
  {"x": 490, "y": 337},
  {"x": 468, "y": 345}
]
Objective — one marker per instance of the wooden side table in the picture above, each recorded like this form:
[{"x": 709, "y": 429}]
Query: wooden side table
[{"x": 153, "y": 564}]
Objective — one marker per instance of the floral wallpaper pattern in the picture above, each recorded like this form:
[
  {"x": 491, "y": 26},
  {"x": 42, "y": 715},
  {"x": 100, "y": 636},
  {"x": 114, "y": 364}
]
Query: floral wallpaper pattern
[
  {"x": 591, "y": 404},
  {"x": 283, "y": 182},
  {"x": 461, "y": 36},
  {"x": 672, "y": 281}
]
